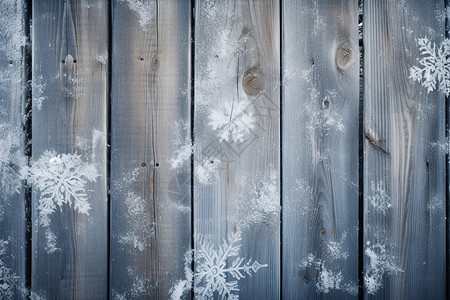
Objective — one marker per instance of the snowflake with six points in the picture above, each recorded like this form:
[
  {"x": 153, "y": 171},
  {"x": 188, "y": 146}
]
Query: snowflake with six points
[
  {"x": 61, "y": 179},
  {"x": 435, "y": 66},
  {"x": 212, "y": 273}
]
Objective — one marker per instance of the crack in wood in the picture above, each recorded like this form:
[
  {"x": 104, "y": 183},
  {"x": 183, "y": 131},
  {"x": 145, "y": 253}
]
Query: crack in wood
[{"x": 375, "y": 143}]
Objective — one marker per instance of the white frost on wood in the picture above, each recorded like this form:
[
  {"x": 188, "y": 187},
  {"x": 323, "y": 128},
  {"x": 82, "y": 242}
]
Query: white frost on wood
[
  {"x": 140, "y": 229},
  {"x": 434, "y": 70},
  {"x": 381, "y": 263},
  {"x": 258, "y": 201},
  {"x": 12, "y": 159},
  {"x": 233, "y": 121},
  {"x": 379, "y": 199},
  {"x": 38, "y": 86},
  {"x": 327, "y": 279},
  {"x": 145, "y": 10},
  {"x": 8, "y": 280}
]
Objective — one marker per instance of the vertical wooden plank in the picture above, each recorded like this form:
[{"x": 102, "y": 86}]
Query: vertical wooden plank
[
  {"x": 70, "y": 40},
  {"x": 320, "y": 149},
  {"x": 404, "y": 165},
  {"x": 150, "y": 182},
  {"x": 237, "y": 147},
  {"x": 12, "y": 158}
]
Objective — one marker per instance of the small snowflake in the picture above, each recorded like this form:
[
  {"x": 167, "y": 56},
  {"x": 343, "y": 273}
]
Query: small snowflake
[
  {"x": 380, "y": 200},
  {"x": 233, "y": 121},
  {"x": 60, "y": 179},
  {"x": 212, "y": 273},
  {"x": 435, "y": 66}
]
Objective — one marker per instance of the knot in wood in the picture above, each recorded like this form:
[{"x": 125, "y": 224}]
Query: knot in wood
[
  {"x": 253, "y": 82},
  {"x": 345, "y": 57}
]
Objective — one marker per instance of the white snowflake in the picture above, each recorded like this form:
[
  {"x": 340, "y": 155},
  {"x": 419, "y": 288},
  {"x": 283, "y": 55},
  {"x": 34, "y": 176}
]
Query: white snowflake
[
  {"x": 379, "y": 200},
  {"x": 60, "y": 179},
  {"x": 434, "y": 72},
  {"x": 381, "y": 262},
  {"x": 212, "y": 275},
  {"x": 8, "y": 279},
  {"x": 141, "y": 229},
  {"x": 233, "y": 120},
  {"x": 12, "y": 159}
]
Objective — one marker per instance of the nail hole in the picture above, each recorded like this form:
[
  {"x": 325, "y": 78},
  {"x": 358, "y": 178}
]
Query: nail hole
[
  {"x": 323, "y": 232},
  {"x": 142, "y": 59},
  {"x": 212, "y": 161},
  {"x": 217, "y": 56},
  {"x": 157, "y": 164},
  {"x": 11, "y": 62},
  {"x": 74, "y": 61},
  {"x": 326, "y": 103},
  {"x": 63, "y": 61},
  {"x": 312, "y": 61},
  {"x": 143, "y": 165}
]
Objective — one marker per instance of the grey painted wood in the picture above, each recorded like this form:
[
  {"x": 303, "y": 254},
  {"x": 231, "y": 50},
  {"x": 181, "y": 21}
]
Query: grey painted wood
[
  {"x": 150, "y": 119},
  {"x": 405, "y": 121},
  {"x": 69, "y": 76},
  {"x": 12, "y": 105},
  {"x": 237, "y": 141},
  {"x": 320, "y": 149}
]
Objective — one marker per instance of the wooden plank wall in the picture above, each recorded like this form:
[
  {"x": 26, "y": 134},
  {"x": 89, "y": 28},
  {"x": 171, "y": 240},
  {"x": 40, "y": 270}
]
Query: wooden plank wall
[
  {"x": 236, "y": 133},
  {"x": 219, "y": 141},
  {"x": 13, "y": 99},
  {"x": 320, "y": 148},
  {"x": 404, "y": 174},
  {"x": 70, "y": 253},
  {"x": 150, "y": 120}
]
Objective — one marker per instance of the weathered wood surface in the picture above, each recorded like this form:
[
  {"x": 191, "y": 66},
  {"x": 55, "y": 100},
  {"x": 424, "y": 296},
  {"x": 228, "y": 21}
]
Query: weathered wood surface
[
  {"x": 320, "y": 149},
  {"x": 70, "y": 40},
  {"x": 150, "y": 120},
  {"x": 12, "y": 116},
  {"x": 404, "y": 164},
  {"x": 236, "y": 132}
]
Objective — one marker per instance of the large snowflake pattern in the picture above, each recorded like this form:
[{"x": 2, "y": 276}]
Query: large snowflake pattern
[
  {"x": 212, "y": 273},
  {"x": 60, "y": 179},
  {"x": 435, "y": 66}
]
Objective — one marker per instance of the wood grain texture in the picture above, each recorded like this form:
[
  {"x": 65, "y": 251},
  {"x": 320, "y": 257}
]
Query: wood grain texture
[
  {"x": 236, "y": 131},
  {"x": 320, "y": 149},
  {"x": 150, "y": 195},
  {"x": 12, "y": 116},
  {"x": 409, "y": 125},
  {"x": 69, "y": 37}
]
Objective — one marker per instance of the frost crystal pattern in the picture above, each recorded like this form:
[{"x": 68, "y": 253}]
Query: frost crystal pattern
[
  {"x": 434, "y": 70},
  {"x": 60, "y": 179},
  {"x": 212, "y": 273},
  {"x": 7, "y": 278}
]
